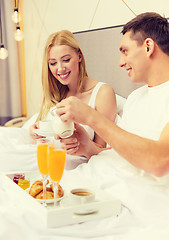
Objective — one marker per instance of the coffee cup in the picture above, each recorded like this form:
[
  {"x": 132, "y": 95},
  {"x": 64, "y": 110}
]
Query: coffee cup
[
  {"x": 81, "y": 196},
  {"x": 46, "y": 125}
]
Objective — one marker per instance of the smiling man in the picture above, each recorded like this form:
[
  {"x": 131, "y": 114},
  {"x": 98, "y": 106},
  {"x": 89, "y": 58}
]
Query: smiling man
[{"x": 142, "y": 138}]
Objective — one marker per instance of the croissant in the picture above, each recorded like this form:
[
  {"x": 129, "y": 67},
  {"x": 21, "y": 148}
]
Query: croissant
[
  {"x": 36, "y": 190},
  {"x": 49, "y": 195}
]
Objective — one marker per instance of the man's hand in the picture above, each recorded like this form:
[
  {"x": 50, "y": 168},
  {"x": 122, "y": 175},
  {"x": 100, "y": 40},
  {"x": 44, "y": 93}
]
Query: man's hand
[{"x": 74, "y": 110}]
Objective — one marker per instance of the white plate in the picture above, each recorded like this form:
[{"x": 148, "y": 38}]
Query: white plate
[
  {"x": 49, "y": 200},
  {"x": 43, "y": 133}
]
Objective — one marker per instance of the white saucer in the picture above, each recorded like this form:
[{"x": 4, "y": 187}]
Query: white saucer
[
  {"x": 43, "y": 133},
  {"x": 51, "y": 134}
]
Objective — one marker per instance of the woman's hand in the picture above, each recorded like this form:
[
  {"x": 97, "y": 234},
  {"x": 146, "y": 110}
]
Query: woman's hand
[
  {"x": 79, "y": 143},
  {"x": 31, "y": 131},
  {"x": 75, "y": 144}
]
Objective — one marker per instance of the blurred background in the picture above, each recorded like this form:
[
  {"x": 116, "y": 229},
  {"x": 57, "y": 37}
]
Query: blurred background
[{"x": 25, "y": 26}]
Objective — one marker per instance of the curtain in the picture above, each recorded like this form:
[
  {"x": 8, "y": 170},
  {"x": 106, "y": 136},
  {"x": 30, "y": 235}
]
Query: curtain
[{"x": 10, "y": 91}]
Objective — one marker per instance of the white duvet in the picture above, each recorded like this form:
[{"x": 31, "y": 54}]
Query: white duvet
[{"x": 145, "y": 199}]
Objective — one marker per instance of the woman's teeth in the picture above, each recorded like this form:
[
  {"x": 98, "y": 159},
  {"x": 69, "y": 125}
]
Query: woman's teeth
[{"x": 64, "y": 75}]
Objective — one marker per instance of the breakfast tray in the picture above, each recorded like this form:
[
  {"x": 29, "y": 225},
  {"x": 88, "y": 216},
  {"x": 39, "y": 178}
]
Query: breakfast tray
[{"x": 103, "y": 206}]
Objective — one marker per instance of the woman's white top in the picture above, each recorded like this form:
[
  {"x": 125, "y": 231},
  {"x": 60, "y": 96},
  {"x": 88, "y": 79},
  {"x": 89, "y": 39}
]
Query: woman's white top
[{"x": 91, "y": 103}]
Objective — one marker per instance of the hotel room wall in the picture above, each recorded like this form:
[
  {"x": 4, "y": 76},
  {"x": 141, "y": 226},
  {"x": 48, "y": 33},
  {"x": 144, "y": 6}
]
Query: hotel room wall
[{"x": 43, "y": 17}]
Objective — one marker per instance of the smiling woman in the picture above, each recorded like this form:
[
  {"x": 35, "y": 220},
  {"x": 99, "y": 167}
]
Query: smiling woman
[{"x": 64, "y": 75}]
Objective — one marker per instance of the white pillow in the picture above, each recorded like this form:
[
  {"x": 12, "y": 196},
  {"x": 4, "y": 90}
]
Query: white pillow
[{"x": 31, "y": 121}]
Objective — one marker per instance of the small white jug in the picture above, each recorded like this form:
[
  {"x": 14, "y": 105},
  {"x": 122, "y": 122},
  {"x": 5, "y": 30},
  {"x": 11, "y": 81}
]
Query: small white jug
[{"x": 63, "y": 129}]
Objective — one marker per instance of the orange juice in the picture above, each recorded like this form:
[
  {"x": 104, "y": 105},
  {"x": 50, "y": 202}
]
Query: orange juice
[
  {"x": 51, "y": 147},
  {"x": 56, "y": 163},
  {"x": 42, "y": 158}
]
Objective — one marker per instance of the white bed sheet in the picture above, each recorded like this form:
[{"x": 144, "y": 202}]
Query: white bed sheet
[
  {"x": 145, "y": 199},
  {"x": 17, "y": 152}
]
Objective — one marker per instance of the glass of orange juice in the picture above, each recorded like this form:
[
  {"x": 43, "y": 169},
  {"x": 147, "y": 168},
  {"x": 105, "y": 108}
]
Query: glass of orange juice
[
  {"x": 56, "y": 164},
  {"x": 42, "y": 148}
]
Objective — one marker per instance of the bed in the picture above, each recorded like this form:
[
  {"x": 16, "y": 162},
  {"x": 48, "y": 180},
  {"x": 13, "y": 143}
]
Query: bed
[{"x": 144, "y": 198}]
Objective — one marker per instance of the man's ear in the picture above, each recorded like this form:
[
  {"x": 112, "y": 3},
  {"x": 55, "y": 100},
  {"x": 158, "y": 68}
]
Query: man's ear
[{"x": 149, "y": 46}]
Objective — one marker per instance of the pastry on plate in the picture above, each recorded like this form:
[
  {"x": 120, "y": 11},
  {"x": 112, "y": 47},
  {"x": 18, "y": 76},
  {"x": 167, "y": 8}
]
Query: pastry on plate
[
  {"x": 36, "y": 190},
  {"x": 49, "y": 195}
]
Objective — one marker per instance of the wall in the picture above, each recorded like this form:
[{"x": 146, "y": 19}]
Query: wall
[
  {"x": 101, "y": 52},
  {"x": 42, "y": 17}
]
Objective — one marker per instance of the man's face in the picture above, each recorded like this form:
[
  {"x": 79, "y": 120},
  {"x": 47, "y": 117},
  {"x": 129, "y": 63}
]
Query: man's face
[{"x": 134, "y": 59}]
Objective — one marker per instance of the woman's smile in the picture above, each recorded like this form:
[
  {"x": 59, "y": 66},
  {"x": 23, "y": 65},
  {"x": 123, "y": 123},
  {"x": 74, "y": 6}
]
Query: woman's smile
[{"x": 64, "y": 76}]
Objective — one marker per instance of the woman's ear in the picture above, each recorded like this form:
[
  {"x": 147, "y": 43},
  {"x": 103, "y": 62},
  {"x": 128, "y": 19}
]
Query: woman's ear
[{"x": 80, "y": 56}]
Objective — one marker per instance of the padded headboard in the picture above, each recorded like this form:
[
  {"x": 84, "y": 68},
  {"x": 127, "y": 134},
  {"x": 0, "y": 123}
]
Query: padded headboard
[{"x": 101, "y": 50}]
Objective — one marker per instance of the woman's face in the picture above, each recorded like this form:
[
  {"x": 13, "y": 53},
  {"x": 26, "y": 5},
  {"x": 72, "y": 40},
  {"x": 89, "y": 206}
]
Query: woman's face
[{"x": 64, "y": 64}]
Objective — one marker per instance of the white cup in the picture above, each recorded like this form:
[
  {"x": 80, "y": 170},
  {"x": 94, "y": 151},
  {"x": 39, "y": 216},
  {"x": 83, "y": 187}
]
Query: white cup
[
  {"x": 81, "y": 196},
  {"x": 63, "y": 129},
  {"x": 46, "y": 125}
]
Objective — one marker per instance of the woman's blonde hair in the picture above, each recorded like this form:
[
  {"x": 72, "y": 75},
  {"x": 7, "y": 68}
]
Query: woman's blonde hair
[{"x": 53, "y": 90}]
